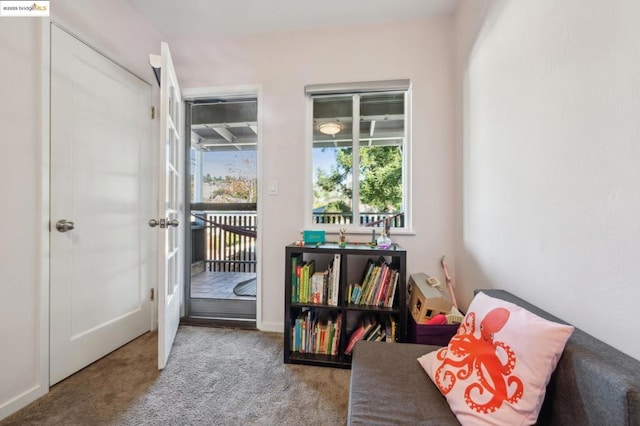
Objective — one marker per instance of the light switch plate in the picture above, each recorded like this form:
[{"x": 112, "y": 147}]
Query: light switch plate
[{"x": 272, "y": 188}]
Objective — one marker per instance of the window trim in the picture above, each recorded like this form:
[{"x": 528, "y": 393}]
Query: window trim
[
  {"x": 313, "y": 90},
  {"x": 358, "y": 87}
]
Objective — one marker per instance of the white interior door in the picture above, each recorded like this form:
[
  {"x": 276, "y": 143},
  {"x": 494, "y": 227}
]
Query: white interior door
[
  {"x": 102, "y": 185},
  {"x": 171, "y": 209}
]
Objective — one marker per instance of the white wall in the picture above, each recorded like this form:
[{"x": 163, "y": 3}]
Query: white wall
[
  {"x": 469, "y": 21},
  {"x": 283, "y": 64},
  {"x": 115, "y": 30},
  {"x": 551, "y": 196},
  {"x": 20, "y": 333}
]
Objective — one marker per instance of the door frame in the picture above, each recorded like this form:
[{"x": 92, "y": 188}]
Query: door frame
[{"x": 193, "y": 94}]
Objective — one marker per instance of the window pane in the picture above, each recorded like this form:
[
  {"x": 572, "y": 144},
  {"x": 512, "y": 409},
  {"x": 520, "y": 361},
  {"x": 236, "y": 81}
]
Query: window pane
[
  {"x": 380, "y": 146},
  {"x": 382, "y": 134},
  {"x": 332, "y": 159},
  {"x": 224, "y": 148},
  {"x": 230, "y": 177}
]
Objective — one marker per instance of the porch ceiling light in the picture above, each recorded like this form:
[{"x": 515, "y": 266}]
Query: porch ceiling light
[{"x": 330, "y": 128}]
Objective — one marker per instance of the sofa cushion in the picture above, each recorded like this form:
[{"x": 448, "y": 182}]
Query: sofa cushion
[
  {"x": 496, "y": 368},
  {"x": 388, "y": 387}
]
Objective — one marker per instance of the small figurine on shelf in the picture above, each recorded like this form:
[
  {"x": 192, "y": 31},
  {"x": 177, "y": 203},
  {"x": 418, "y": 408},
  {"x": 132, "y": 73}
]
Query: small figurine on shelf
[
  {"x": 384, "y": 242},
  {"x": 342, "y": 238}
]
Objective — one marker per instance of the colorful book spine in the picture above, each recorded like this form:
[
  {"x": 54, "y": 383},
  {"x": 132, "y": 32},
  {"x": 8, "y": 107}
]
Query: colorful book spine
[
  {"x": 295, "y": 296},
  {"x": 311, "y": 334},
  {"x": 317, "y": 288},
  {"x": 336, "y": 280},
  {"x": 392, "y": 293},
  {"x": 378, "y": 285},
  {"x": 299, "y": 267},
  {"x": 336, "y": 336},
  {"x": 366, "y": 325}
]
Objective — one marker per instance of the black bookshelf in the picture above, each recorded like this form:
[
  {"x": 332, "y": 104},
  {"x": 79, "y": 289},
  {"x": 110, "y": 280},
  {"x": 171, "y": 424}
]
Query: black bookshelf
[{"x": 353, "y": 258}]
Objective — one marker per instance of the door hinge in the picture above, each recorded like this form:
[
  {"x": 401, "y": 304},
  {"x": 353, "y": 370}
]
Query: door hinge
[
  {"x": 153, "y": 294},
  {"x": 153, "y": 112}
]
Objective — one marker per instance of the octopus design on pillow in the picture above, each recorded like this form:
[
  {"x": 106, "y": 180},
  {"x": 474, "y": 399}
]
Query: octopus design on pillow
[{"x": 467, "y": 353}]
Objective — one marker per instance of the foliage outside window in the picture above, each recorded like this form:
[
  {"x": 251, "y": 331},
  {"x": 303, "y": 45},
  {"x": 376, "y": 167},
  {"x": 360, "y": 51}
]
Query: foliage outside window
[
  {"x": 354, "y": 190},
  {"x": 229, "y": 177}
]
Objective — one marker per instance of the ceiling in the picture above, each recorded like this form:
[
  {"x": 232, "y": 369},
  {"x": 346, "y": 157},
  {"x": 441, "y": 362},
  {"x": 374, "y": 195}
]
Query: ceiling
[
  {"x": 176, "y": 19},
  {"x": 224, "y": 124}
]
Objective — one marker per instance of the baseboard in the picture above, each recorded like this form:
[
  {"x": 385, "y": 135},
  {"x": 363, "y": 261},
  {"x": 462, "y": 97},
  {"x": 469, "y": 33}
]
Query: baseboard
[
  {"x": 22, "y": 400},
  {"x": 218, "y": 322},
  {"x": 274, "y": 327}
]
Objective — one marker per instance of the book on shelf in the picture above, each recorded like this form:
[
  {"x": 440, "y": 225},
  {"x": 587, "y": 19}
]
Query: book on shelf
[
  {"x": 308, "y": 270},
  {"x": 335, "y": 280},
  {"x": 324, "y": 297},
  {"x": 373, "y": 334},
  {"x": 355, "y": 336},
  {"x": 366, "y": 324},
  {"x": 316, "y": 333},
  {"x": 392, "y": 291},
  {"x": 367, "y": 275},
  {"x": 299, "y": 265},
  {"x": 315, "y": 287},
  {"x": 305, "y": 270},
  {"x": 390, "y": 330},
  {"x": 335, "y": 342},
  {"x": 354, "y": 293},
  {"x": 373, "y": 285},
  {"x": 378, "y": 285},
  {"x": 371, "y": 329},
  {"x": 295, "y": 275},
  {"x": 380, "y": 290}
]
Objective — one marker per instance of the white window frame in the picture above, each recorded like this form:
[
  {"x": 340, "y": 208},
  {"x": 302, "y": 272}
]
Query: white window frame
[{"x": 358, "y": 88}]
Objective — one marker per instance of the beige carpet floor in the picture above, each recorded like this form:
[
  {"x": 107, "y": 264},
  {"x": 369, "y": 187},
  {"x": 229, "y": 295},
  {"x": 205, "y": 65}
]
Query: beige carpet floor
[{"x": 215, "y": 376}]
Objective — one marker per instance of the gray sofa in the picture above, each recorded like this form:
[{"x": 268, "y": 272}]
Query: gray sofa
[{"x": 593, "y": 384}]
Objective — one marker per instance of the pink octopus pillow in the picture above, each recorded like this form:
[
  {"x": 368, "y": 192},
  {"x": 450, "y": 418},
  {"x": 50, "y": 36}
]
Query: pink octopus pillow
[{"x": 496, "y": 368}]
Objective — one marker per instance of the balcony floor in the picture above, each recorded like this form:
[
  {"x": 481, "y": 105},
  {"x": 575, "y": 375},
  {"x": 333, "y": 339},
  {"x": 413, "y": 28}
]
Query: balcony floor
[{"x": 219, "y": 285}]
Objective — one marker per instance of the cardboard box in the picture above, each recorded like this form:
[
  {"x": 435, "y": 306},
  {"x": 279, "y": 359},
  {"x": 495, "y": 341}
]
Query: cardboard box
[
  {"x": 425, "y": 301},
  {"x": 425, "y": 334}
]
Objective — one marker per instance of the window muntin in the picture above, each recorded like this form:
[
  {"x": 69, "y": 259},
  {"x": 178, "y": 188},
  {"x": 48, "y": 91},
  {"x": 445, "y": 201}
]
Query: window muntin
[{"x": 377, "y": 176}]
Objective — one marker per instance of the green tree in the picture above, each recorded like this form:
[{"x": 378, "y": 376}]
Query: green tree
[
  {"x": 380, "y": 178},
  {"x": 336, "y": 182},
  {"x": 338, "y": 206}
]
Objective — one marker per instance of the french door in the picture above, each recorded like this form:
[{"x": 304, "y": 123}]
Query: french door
[{"x": 170, "y": 208}]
